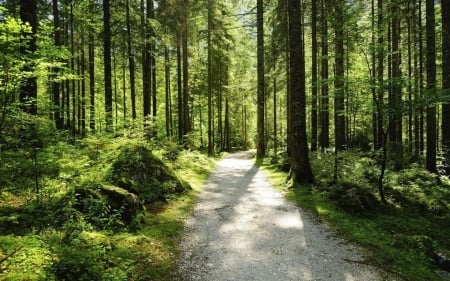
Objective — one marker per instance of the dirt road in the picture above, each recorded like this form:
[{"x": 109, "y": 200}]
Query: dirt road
[{"x": 242, "y": 229}]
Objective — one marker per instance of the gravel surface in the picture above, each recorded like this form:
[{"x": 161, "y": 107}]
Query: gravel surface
[{"x": 242, "y": 229}]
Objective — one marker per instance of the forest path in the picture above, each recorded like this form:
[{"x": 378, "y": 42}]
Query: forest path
[{"x": 242, "y": 229}]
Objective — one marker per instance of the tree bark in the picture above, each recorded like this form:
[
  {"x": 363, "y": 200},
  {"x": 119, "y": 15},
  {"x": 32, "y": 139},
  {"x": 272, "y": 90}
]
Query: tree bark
[
  {"x": 300, "y": 166},
  {"x": 314, "y": 76},
  {"x": 431, "y": 86},
  {"x": 445, "y": 5},
  {"x": 260, "y": 141},
  {"x": 131, "y": 63},
  {"x": 107, "y": 64},
  {"x": 28, "y": 89},
  {"x": 324, "y": 138},
  {"x": 339, "y": 99}
]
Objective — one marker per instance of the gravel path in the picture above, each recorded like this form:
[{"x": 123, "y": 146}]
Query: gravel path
[{"x": 242, "y": 229}]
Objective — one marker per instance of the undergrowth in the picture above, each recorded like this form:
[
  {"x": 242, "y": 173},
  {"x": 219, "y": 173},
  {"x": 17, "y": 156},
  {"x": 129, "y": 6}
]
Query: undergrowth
[
  {"x": 403, "y": 238},
  {"x": 70, "y": 230}
]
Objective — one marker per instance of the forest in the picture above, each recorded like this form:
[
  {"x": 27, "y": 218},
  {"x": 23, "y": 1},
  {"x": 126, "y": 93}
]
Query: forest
[{"x": 113, "y": 113}]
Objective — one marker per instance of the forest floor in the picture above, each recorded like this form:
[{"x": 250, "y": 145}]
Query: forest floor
[{"x": 242, "y": 229}]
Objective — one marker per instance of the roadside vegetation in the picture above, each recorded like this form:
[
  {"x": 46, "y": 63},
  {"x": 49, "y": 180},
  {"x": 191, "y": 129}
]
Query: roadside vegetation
[
  {"x": 407, "y": 237},
  {"x": 99, "y": 209}
]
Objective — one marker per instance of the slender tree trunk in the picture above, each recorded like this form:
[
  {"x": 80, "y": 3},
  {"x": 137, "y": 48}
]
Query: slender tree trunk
[
  {"x": 131, "y": 63},
  {"x": 185, "y": 35},
  {"x": 83, "y": 87},
  {"x": 376, "y": 141},
  {"x": 55, "y": 83},
  {"x": 431, "y": 87},
  {"x": 147, "y": 62},
  {"x": 339, "y": 100},
  {"x": 324, "y": 109},
  {"x": 179, "y": 91},
  {"x": 300, "y": 166},
  {"x": 28, "y": 89},
  {"x": 91, "y": 66},
  {"x": 380, "y": 74},
  {"x": 410, "y": 81},
  {"x": 210, "y": 129},
  {"x": 73, "y": 126},
  {"x": 260, "y": 97},
  {"x": 397, "y": 88},
  {"x": 167, "y": 91},
  {"x": 107, "y": 64},
  {"x": 445, "y": 6},
  {"x": 314, "y": 76},
  {"x": 151, "y": 11}
]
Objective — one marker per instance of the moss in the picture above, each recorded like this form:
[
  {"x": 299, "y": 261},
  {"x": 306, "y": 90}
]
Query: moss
[{"x": 137, "y": 170}]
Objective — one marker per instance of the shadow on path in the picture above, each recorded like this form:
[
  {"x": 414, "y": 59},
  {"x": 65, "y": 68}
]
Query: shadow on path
[{"x": 242, "y": 229}]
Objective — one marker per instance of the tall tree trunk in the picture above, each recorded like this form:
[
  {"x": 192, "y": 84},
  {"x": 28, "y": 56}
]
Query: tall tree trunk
[
  {"x": 314, "y": 76},
  {"x": 179, "y": 91},
  {"x": 445, "y": 6},
  {"x": 380, "y": 74},
  {"x": 397, "y": 88},
  {"x": 168, "y": 92},
  {"x": 28, "y": 89},
  {"x": 131, "y": 63},
  {"x": 151, "y": 11},
  {"x": 260, "y": 98},
  {"x": 83, "y": 87},
  {"x": 410, "y": 14},
  {"x": 147, "y": 62},
  {"x": 339, "y": 99},
  {"x": 91, "y": 66},
  {"x": 185, "y": 35},
  {"x": 55, "y": 83},
  {"x": 107, "y": 64},
  {"x": 300, "y": 166},
  {"x": 73, "y": 92},
  {"x": 431, "y": 87},
  {"x": 210, "y": 116},
  {"x": 324, "y": 108},
  {"x": 376, "y": 140}
]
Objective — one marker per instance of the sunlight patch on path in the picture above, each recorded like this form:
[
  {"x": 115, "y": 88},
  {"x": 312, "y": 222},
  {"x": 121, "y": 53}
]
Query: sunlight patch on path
[{"x": 242, "y": 229}]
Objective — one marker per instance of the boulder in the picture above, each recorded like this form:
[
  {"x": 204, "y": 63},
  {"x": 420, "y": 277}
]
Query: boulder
[{"x": 120, "y": 199}]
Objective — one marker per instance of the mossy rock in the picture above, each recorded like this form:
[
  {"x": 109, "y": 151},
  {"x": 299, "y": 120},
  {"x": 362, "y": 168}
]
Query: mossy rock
[
  {"x": 138, "y": 171},
  {"x": 357, "y": 200},
  {"x": 120, "y": 199}
]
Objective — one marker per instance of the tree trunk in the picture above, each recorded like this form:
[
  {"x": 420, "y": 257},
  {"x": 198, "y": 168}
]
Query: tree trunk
[
  {"x": 380, "y": 74},
  {"x": 314, "y": 76},
  {"x": 55, "y": 83},
  {"x": 431, "y": 87},
  {"x": 396, "y": 89},
  {"x": 179, "y": 90},
  {"x": 260, "y": 98},
  {"x": 210, "y": 129},
  {"x": 131, "y": 63},
  {"x": 168, "y": 92},
  {"x": 28, "y": 88},
  {"x": 91, "y": 66},
  {"x": 107, "y": 62},
  {"x": 146, "y": 63},
  {"x": 324, "y": 108},
  {"x": 185, "y": 35},
  {"x": 339, "y": 99},
  {"x": 300, "y": 166},
  {"x": 446, "y": 83}
]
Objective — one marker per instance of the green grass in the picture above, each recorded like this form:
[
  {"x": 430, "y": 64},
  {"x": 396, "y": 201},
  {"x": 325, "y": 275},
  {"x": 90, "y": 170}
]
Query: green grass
[{"x": 396, "y": 239}]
